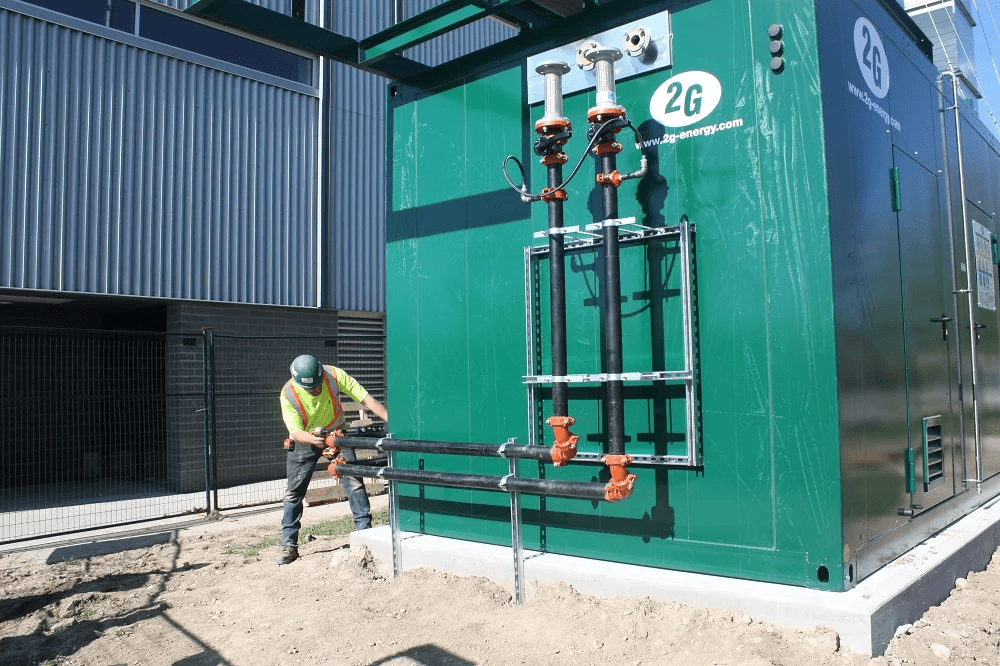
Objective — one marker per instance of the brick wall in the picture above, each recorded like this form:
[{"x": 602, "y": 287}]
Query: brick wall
[{"x": 249, "y": 373}]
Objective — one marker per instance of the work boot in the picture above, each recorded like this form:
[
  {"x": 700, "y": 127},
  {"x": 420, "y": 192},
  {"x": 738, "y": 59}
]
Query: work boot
[{"x": 288, "y": 554}]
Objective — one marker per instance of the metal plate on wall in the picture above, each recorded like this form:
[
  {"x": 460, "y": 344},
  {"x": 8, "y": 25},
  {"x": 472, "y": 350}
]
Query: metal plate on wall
[{"x": 658, "y": 55}]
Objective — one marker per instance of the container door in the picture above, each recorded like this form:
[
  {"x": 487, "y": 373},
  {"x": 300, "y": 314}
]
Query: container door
[
  {"x": 930, "y": 335},
  {"x": 982, "y": 258}
]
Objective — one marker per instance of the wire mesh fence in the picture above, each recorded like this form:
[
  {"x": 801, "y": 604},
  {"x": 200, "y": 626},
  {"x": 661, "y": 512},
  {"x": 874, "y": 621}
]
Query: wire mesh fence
[{"x": 103, "y": 428}]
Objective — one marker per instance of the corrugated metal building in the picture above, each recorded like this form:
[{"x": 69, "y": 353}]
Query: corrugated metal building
[
  {"x": 160, "y": 174},
  {"x": 147, "y": 154}
]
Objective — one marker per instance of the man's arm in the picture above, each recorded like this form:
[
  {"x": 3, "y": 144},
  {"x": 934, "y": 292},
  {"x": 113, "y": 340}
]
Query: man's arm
[
  {"x": 376, "y": 406},
  {"x": 304, "y": 437}
]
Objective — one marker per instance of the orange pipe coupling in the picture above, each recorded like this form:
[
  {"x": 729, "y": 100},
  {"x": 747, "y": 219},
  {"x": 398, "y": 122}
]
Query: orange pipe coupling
[
  {"x": 555, "y": 158},
  {"x": 621, "y": 483},
  {"x": 330, "y": 448},
  {"x": 332, "y": 467},
  {"x": 548, "y": 194},
  {"x": 564, "y": 447},
  {"x": 608, "y": 147},
  {"x": 615, "y": 178}
]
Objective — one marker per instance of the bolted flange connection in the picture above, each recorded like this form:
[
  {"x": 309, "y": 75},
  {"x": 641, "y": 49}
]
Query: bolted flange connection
[
  {"x": 564, "y": 448},
  {"x": 621, "y": 484}
]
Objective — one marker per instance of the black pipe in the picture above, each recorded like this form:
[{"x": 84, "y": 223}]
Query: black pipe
[
  {"x": 457, "y": 448},
  {"x": 517, "y": 484},
  {"x": 614, "y": 401},
  {"x": 557, "y": 296}
]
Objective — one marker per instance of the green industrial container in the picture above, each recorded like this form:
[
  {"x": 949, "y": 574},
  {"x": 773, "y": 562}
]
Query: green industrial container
[{"x": 842, "y": 285}]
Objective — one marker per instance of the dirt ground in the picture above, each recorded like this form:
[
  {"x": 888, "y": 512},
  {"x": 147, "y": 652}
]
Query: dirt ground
[{"x": 204, "y": 595}]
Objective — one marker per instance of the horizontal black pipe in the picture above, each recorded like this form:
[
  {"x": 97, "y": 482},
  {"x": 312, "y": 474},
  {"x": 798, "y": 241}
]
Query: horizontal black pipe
[
  {"x": 518, "y": 484},
  {"x": 456, "y": 448},
  {"x": 372, "y": 462}
]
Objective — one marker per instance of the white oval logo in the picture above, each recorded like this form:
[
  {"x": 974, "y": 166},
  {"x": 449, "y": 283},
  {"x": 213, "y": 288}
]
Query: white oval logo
[
  {"x": 871, "y": 57},
  {"x": 685, "y": 99}
]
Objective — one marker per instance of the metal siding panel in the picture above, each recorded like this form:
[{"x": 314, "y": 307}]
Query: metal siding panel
[
  {"x": 130, "y": 172},
  {"x": 356, "y": 228},
  {"x": 137, "y": 173}
]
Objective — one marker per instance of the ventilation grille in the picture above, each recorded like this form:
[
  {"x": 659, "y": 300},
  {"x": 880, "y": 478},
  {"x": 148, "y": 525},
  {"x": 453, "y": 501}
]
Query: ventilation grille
[{"x": 933, "y": 451}]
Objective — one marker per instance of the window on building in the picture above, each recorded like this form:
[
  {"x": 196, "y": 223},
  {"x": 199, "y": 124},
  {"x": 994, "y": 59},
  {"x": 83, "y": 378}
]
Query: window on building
[
  {"x": 178, "y": 31},
  {"x": 117, "y": 14}
]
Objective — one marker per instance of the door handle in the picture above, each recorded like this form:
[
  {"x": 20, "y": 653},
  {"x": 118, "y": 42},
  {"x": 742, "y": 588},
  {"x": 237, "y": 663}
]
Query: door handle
[
  {"x": 979, "y": 326},
  {"x": 943, "y": 320}
]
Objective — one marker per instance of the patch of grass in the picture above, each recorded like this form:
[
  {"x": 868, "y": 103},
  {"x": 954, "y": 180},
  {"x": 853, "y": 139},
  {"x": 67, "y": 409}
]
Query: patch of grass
[{"x": 330, "y": 528}]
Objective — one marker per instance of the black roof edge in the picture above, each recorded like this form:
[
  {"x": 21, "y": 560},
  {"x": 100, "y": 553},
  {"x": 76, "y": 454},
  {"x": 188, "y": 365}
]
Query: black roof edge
[{"x": 909, "y": 26}]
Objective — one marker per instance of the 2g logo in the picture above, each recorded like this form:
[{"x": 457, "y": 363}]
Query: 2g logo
[
  {"x": 871, "y": 57},
  {"x": 685, "y": 99}
]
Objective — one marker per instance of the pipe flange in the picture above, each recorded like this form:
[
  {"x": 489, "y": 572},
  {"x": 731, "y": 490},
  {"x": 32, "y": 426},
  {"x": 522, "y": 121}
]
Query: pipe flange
[
  {"x": 581, "y": 60},
  {"x": 598, "y": 52},
  {"x": 636, "y": 41},
  {"x": 552, "y": 125},
  {"x": 600, "y": 114},
  {"x": 553, "y": 67}
]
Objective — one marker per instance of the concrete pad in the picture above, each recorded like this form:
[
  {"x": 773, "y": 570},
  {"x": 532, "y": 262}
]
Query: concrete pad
[{"x": 865, "y": 617}]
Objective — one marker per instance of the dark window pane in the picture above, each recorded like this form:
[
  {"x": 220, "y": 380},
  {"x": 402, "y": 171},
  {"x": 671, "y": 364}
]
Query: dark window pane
[
  {"x": 190, "y": 36},
  {"x": 88, "y": 10},
  {"x": 123, "y": 15}
]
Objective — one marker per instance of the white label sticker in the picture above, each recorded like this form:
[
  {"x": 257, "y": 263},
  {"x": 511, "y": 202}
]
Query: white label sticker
[
  {"x": 685, "y": 99},
  {"x": 985, "y": 291},
  {"x": 871, "y": 57}
]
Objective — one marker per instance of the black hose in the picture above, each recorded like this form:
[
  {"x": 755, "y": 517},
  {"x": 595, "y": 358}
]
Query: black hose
[{"x": 522, "y": 190}]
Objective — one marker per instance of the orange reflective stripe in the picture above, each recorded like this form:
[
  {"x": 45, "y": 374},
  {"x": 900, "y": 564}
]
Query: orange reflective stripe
[
  {"x": 294, "y": 399},
  {"x": 338, "y": 409}
]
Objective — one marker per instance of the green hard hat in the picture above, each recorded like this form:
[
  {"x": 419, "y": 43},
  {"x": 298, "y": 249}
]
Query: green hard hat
[{"x": 307, "y": 371}]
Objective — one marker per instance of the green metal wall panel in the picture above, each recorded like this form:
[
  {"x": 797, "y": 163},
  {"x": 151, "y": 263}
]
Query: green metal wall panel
[{"x": 766, "y": 503}]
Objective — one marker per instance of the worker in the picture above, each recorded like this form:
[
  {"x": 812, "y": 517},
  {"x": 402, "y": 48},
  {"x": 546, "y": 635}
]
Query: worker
[{"x": 309, "y": 400}]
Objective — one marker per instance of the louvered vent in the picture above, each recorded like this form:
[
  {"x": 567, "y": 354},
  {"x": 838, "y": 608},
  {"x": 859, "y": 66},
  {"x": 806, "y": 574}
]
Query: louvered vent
[{"x": 933, "y": 451}]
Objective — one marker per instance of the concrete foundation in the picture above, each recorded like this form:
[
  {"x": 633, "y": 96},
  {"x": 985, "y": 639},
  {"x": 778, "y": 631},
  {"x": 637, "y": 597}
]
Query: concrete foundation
[{"x": 866, "y": 616}]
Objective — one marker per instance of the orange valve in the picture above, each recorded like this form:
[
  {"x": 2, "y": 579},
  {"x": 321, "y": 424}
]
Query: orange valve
[
  {"x": 564, "y": 448},
  {"x": 621, "y": 483},
  {"x": 615, "y": 178}
]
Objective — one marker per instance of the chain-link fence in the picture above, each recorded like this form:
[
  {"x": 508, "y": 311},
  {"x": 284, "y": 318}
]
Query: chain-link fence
[{"x": 101, "y": 428}]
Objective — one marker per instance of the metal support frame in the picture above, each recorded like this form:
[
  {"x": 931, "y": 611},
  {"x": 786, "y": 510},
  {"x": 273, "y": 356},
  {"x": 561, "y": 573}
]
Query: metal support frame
[
  {"x": 397, "y": 551},
  {"x": 512, "y": 484},
  {"x": 516, "y": 538},
  {"x": 642, "y": 234},
  {"x": 968, "y": 291}
]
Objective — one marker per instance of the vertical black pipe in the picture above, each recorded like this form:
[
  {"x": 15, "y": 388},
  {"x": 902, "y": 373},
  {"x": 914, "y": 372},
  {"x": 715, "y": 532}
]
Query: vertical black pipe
[
  {"x": 557, "y": 296},
  {"x": 614, "y": 401}
]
